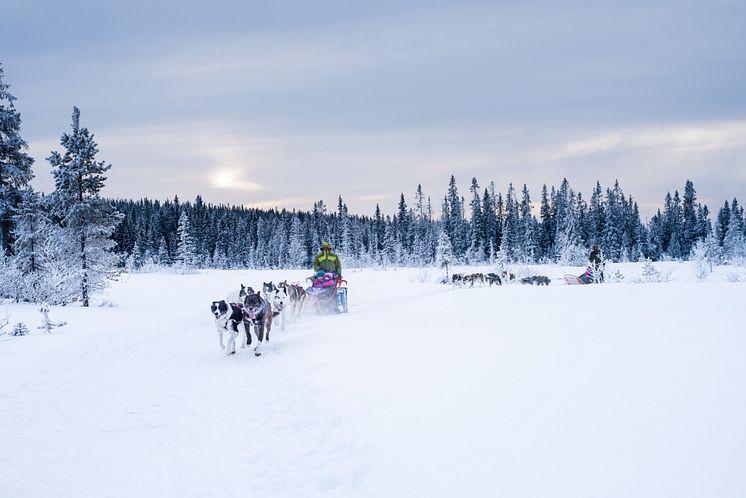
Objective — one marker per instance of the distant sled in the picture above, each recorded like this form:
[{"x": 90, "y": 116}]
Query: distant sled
[
  {"x": 585, "y": 278},
  {"x": 572, "y": 280}
]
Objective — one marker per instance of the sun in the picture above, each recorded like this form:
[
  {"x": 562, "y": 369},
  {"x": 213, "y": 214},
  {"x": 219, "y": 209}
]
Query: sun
[{"x": 223, "y": 179}]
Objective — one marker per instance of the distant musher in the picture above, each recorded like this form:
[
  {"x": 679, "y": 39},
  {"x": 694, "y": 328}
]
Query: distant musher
[{"x": 597, "y": 263}]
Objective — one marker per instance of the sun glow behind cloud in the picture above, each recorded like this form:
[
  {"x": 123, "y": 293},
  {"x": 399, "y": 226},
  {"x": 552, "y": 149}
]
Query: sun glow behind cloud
[{"x": 231, "y": 180}]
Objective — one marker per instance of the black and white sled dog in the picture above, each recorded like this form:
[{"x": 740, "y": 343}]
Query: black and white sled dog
[
  {"x": 279, "y": 299},
  {"x": 228, "y": 318},
  {"x": 238, "y": 296},
  {"x": 258, "y": 314}
]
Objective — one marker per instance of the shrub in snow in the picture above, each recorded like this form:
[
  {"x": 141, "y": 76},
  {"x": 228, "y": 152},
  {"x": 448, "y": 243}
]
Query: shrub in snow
[
  {"x": 615, "y": 277},
  {"x": 650, "y": 274},
  {"x": 46, "y": 324},
  {"x": 421, "y": 276},
  {"x": 20, "y": 329},
  {"x": 734, "y": 276},
  {"x": 702, "y": 267}
]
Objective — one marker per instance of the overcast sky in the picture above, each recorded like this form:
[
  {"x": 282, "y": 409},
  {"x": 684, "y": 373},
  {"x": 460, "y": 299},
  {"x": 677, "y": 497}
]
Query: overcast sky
[{"x": 283, "y": 103}]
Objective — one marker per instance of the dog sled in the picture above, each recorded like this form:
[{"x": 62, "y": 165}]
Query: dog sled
[
  {"x": 327, "y": 294},
  {"x": 586, "y": 278}
]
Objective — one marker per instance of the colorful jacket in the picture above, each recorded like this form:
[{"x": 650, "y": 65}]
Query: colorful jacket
[{"x": 328, "y": 261}]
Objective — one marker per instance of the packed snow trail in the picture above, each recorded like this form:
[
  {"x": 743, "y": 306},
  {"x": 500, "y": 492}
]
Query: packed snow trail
[{"x": 421, "y": 390}]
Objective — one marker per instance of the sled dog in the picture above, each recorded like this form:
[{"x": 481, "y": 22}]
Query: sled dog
[
  {"x": 258, "y": 314},
  {"x": 297, "y": 296},
  {"x": 238, "y": 295},
  {"x": 228, "y": 317},
  {"x": 493, "y": 278},
  {"x": 279, "y": 299}
]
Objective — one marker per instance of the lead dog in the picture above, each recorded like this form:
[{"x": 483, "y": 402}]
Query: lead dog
[
  {"x": 258, "y": 313},
  {"x": 228, "y": 316}
]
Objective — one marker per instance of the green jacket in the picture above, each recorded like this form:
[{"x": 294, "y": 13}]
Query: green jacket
[{"x": 327, "y": 261}]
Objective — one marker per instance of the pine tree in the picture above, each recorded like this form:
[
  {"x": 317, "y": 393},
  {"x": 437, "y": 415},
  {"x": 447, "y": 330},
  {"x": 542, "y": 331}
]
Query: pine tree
[
  {"x": 734, "y": 244},
  {"x": 527, "y": 223},
  {"x": 477, "y": 243},
  {"x": 546, "y": 229},
  {"x": 689, "y": 215},
  {"x": 444, "y": 252},
  {"x": 30, "y": 226},
  {"x": 15, "y": 165},
  {"x": 297, "y": 247},
  {"x": 87, "y": 220},
  {"x": 185, "y": 252},
  {"x": 163, "y": 257},
  {"x": 597, "y": 216},
  {"x": 511, "y": 241},
  {"x": 722, "y": 222},
  {"x": 453, "y": 220},
  {"x": 569, "y": 247},
  {"x": 491, "y": 223}
]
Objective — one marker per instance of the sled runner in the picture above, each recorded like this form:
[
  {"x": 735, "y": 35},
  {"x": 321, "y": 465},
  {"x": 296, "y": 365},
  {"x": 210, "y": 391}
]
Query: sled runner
[{"x": 328, "y": 294}]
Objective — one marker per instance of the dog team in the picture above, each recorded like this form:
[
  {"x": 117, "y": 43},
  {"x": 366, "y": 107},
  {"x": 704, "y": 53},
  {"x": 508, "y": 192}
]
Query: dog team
[
  {"x": 256, "y": 312},
  {"x": 461, "y": 279}
]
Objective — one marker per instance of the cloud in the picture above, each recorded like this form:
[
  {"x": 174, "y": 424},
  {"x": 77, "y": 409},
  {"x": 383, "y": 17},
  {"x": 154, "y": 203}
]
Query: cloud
[{"x": 677, "y": 138}]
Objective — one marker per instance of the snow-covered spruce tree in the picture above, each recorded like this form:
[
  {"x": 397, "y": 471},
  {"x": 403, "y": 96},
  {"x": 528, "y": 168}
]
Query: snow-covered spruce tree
[
  {"x": 134, "y": 260},
  {"x": 569, "y": 247},
  {"x": 185, "y": 253},
  {"x": 444, "y": 252},
  {"x": 31, "y": 227},
  {"x": 86, "y": 221},
  {"x": 650, "y": 274},
  {"x": 734, "y": 244},
  {"x": 20, "y": 330},
  {"x": 698, "y": 257},
  {"x": 15, "y": 165},
  {"x": 163, "y": 258}
]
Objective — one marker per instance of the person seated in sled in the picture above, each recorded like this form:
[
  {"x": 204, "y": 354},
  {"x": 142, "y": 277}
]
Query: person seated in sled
[
  {"x": 597, "y": 263},
  {"x": 327, "y": 262}
]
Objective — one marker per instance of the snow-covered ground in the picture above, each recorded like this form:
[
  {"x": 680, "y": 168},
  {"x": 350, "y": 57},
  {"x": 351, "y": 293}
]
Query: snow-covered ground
[{"x": 622, "y": 389}]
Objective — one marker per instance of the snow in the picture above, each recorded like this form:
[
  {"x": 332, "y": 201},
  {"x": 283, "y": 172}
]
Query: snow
[{"x": 623, "y": 389}]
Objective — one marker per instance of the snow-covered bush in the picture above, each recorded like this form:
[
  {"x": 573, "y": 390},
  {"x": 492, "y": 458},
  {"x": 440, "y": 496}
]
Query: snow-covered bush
[
  {"x": 48, "y": 325},
  {"x": 702, "y": 267},
  {"x": 421, "y": 276},
  {"x": 650, "y": 274},
  {"x": 615, "y": 278},
  {"x": 20, "y": 329},
  {"x": 734, "y": 276}
]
